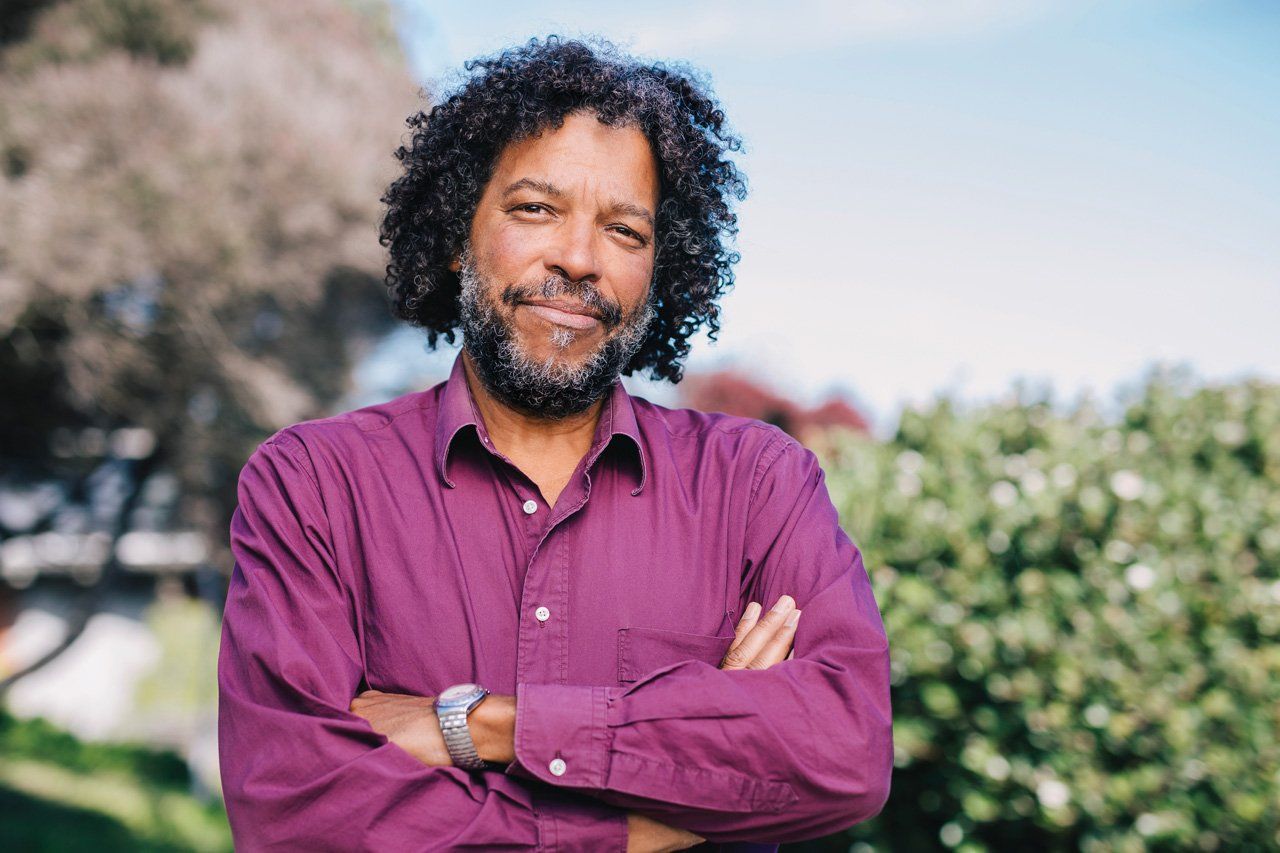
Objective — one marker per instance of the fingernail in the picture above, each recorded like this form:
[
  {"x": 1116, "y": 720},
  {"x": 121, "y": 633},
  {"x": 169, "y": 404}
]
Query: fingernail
[
  {"x": 792, "y": 618},
  {"x": 784, "y": 604},
  {"x": 753, "y": 609}
]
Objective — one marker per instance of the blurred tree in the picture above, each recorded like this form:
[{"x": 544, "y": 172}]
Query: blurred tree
[
  {"x": 739, "y": 394},
  {"x": 1082, "y": 616},
  {"x": 188, "y": 224}
]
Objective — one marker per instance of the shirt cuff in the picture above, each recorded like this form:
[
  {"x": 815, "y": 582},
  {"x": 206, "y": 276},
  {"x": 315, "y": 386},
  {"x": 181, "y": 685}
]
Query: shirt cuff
[
  {"x": 562, "y": 736},
  {"x": 574, "y": 822}
]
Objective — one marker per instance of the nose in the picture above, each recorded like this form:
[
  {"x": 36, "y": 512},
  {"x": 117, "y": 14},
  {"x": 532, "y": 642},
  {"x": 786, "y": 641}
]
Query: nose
[{"x": 573, "y": 252}]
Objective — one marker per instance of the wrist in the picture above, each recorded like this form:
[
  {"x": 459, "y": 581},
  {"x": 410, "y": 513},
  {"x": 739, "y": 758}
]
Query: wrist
[{"x": 493, "y": 728}]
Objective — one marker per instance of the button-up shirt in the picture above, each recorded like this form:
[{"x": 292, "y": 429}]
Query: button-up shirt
[{"x": 394, "y": 547}]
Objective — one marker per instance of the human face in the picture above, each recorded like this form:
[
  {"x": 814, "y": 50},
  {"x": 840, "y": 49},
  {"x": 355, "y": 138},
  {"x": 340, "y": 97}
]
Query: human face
[{"x": 562, "y": 241}]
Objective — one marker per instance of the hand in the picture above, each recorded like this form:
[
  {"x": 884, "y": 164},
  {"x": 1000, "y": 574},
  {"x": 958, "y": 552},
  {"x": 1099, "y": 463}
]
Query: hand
[
  {"x": 646, "y": 835},
  {"x": 410, "y": 722},
  {"x": 761, "y": 641}
]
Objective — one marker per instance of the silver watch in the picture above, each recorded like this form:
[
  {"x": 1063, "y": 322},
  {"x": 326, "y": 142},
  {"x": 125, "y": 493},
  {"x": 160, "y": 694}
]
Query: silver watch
[{"x": 452, "y": 707}]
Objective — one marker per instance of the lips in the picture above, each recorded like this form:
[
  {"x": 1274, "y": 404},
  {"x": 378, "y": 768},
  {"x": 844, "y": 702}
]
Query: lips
[
  {"x": 566, "y": 306},
  {"x": 563, "y": 313}
]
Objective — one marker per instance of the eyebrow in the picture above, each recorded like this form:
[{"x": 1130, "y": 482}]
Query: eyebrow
[
  {"x": 633, "y": 210},
  {"x": 552, "y": 190},
  {"x": 533, "y": 184}
]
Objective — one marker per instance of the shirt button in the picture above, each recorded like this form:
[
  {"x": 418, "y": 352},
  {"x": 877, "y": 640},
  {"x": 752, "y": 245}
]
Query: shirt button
[
  {"x": 542, "y": 613},
  {"x": 557, "y": 767},
  {"x": 530, "y": 507}
]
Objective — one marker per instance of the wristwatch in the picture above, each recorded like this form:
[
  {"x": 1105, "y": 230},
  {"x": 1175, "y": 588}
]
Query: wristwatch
[{"x": 452, "y": 707}]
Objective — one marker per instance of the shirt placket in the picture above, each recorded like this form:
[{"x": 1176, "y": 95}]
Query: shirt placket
[{"x": 543, "y": 649}]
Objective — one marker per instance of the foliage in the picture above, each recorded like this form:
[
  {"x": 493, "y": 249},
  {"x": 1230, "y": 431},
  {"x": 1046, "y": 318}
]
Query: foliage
[
  {"x": 1082, "y": 617},
  {"x": 59, "y": 793},
  {"x": 188, "y": 225}
]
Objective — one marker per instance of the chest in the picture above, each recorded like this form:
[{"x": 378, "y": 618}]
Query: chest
[{"x": 486, "y": 582}]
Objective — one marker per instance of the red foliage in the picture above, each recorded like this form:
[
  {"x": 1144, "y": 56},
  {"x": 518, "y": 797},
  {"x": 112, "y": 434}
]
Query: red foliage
[{"x": 733, "y": 393}]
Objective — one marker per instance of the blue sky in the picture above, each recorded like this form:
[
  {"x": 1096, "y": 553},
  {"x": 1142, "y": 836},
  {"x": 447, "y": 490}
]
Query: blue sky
[{"x": 949, "y": 197}]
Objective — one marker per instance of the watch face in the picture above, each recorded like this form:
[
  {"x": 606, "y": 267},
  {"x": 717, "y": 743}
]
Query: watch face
[{"x": 457, "y": 691}]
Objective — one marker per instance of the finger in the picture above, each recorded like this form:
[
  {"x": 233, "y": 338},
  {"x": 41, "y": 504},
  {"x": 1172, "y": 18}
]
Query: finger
[
  {"x": 745, "y": 652},
  {"x": 746, "y": 623},
  {"x": 776, "y": 648}
]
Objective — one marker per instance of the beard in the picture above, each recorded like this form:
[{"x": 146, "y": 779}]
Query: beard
[{"x": 550, "y": 388}]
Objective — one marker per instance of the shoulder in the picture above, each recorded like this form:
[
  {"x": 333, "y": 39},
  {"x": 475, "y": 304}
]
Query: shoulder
[
  {"x": 394, "y": 415},
  {"x": 348, "y": 434},
  {"x": 750, "y": 445}
]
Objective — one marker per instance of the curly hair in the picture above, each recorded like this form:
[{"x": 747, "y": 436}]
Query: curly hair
[{"x": 520, "y": 93}]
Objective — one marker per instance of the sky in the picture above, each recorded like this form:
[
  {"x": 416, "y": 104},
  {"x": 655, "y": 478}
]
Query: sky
[{"x": 948, "y": 198}]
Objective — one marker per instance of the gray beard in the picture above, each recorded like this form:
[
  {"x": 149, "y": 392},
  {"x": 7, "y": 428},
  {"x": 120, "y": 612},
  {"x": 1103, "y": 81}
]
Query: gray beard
[{"x": 550, "y": 388}]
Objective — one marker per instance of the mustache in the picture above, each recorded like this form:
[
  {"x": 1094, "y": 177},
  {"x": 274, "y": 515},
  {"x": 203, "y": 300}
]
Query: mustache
[{"x": 555, "y": 286}]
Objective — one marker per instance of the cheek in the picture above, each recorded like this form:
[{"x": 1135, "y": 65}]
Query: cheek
[
  {"x": 511, "y": 252},
  {"x": 634, "y": 275}
]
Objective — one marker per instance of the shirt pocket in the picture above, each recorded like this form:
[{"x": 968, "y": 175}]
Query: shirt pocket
[{"x": 642, "y": 650}]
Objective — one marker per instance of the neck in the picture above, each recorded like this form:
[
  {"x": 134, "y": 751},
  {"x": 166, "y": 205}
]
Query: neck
[{"x": 516, "y": 432}]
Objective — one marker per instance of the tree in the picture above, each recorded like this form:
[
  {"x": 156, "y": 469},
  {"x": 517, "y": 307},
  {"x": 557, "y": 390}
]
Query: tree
[{"x": 189, "y": 201}]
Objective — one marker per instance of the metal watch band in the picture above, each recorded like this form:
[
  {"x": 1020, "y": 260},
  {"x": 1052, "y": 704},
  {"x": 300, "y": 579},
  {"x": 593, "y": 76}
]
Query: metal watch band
[{"x": 457, "y": 738}]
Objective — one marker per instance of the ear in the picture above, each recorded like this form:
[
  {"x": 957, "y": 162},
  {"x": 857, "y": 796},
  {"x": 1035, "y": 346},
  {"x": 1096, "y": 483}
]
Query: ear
[{"x": 455, "y": 264}]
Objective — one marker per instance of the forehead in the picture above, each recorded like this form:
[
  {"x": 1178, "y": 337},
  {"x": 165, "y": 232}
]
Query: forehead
[{"x": 584, "y": 153}]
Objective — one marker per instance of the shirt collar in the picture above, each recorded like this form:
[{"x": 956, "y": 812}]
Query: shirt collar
[{"x": 458, "y": 410}]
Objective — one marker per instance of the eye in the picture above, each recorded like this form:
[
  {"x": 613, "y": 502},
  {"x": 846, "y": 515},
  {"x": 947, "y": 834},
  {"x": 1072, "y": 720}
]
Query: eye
[
  {"x": 627, "y": 232},
  {"x": 531, "y": 207}
]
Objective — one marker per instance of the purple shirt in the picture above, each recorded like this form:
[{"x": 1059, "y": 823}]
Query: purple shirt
[{"x": 393, "y": 547}]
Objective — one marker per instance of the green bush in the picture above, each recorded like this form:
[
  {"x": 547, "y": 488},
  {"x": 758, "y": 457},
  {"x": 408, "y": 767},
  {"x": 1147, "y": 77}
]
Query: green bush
[
  {"x": 60, "y": 793},
  {"x": 1082, "y": 614}
]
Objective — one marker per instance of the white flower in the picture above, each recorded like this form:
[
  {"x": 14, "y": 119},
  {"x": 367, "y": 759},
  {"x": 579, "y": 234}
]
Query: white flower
[
  {"x": 911, "y": 461},
  {"x": 1140, "y": 576},
  {"x": 934, "y": 511},
  {"x": 1033, "y": 481},
  {"x": 909, "y": 484},
  {"x": 1148, "y": 823},
  {"x": 1053, "y": 794},
  {"x": 1004, "y": 493},
  {"x": 1127, "y": 485},
  {"x": 1118, "y": 551},
  {"x": 1015, "y": 465},
  {"x": 951, "y": 834},
  {"x": 1139, "y": 442},
  {"x": 998, "y": 543},
  {"x": 1229, "y": 433},
  {"x": 1097, "y": 715},
  {"x": 998, "y": 768},
  {"x": 1064, "y": 475}
]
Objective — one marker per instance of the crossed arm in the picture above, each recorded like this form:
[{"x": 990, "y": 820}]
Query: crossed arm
[
  {"x": 796, "y": 750},
  {"x": 410, "y": 721}
]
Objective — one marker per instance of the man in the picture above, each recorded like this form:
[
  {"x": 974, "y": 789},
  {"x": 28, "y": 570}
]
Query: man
[{"x": 565, "y": 579}]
